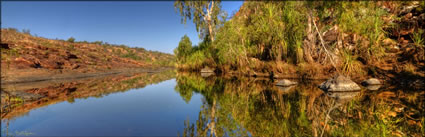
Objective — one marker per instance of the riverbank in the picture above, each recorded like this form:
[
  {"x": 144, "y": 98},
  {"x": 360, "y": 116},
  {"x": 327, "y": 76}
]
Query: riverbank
[{"x": 34, "y": 75}]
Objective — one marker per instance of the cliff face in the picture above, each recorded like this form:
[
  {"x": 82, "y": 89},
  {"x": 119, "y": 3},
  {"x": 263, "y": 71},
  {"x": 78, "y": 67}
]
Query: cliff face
[{"x": 24, "y": 54}]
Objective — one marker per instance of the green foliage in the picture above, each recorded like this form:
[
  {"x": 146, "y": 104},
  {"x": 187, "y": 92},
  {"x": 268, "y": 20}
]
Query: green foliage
[
  {"x": 418, "y": 38},
  {"x": 98, "y": 42},
  {"x": 230, "y": 46},
  {"x": 204, "y": 14},
  {"x": 277, "y": 32},
  {"x": 196, "y": 59},
  {"x": 350, "y": 63},
  {"x": 193, "y": 58},
  {"x": 365, "y": 19},
  {"x": 71, "y": 39},
  {"x": 271, "y": 31},
  {"x": 184, "y": 48},
  {"x": 131, "y": 54}
]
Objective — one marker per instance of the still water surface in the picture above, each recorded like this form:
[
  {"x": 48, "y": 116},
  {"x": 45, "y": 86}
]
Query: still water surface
[{"x": 169, "y": 104}]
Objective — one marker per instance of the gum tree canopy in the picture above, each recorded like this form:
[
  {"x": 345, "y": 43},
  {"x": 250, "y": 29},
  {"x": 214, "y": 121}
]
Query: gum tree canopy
[{"x": 205, "y": 15}]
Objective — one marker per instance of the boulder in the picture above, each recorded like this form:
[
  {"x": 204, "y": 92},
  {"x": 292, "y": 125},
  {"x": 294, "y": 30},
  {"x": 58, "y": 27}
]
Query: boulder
[
  {"x": 207, "y": 70},
  {"x": 339, "y": 83},
  {"x": 373, "y": 87},
  {"x": 285, "y": 83},
  {"x": 371, "y": 81}
]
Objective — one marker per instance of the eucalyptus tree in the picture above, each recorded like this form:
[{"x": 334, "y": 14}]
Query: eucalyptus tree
[{"x": 205, "y": 14}]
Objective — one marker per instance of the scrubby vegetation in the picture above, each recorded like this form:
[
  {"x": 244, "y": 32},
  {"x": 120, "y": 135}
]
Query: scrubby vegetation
[{"x": 313, "y": 39}]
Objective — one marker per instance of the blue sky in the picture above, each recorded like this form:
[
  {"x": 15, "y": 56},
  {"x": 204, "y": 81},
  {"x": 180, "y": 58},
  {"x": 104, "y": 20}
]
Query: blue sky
[{"x": 148, "y": 24}]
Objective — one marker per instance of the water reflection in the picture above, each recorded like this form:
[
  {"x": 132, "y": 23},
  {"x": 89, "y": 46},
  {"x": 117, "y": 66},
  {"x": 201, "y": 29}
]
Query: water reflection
[
  {"x": 19, "y": 99},
  {"x": 248, "y": 106},
  {"x": 208, "y": 106}
]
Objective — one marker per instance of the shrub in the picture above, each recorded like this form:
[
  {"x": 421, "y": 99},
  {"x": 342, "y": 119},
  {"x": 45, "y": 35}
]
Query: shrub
[
  {"x": 132, "y": 55},
  {"x": 71, "y": 39},
  {"x": 418, "y": 38},
  {"x": 350, "y": 63},
  {"x": 196, "y": 60},
  {"x": 184, "y": 48},
  {"x": 26, "y": 31}
]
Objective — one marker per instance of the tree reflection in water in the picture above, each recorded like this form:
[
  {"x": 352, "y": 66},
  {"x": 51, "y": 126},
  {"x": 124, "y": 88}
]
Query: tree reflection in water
[{"x": 240, "y": 106}]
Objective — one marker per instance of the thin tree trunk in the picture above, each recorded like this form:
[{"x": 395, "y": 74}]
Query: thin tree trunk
[
  {"x": 211, "y": 31},
  {"x": 211, "y": 125},
  {"x": 210, "y": 23}
]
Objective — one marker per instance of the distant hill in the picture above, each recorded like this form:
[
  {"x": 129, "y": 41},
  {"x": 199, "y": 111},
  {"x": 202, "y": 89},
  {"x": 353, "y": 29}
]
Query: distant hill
[{"x": 22, "y": 52}]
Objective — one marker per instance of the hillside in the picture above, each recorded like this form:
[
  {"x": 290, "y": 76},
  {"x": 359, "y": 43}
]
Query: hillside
[{"x": 27, "y": 55}]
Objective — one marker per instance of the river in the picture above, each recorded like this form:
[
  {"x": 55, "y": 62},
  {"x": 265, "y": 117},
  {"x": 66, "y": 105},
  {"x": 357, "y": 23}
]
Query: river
[{"x": 186, "y": 104}]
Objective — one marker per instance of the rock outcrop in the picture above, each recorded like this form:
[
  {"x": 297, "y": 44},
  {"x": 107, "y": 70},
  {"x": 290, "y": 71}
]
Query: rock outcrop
[{"x": 339, "y": 83}]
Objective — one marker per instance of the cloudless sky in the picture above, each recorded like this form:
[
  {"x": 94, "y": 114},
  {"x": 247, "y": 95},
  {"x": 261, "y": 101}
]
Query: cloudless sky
[{"x": 148, "y": 24}]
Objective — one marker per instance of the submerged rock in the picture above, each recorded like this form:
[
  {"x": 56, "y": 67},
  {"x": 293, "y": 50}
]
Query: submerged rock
[
  {"x": 371, "y": 81},
  {"x": 285, "y": 90},
  {"x": 342, "y": 95},
  {"x": 206, "y": 74},
  {"x": 285, "y": 82},
  {"x": 339, "y": 83},
  {"x": 207, "y": 70}
]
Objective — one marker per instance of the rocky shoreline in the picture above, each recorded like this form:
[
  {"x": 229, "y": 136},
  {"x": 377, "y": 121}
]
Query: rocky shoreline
[{"x": 414, "y": 83}]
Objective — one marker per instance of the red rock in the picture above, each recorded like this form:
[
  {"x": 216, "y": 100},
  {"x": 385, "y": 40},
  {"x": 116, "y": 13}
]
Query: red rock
[{"x": 50, "y": 64}]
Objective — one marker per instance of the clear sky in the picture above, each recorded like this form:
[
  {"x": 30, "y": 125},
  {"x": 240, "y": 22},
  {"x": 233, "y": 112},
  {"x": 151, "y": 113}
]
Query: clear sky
[{"x": 148, "y": 24}]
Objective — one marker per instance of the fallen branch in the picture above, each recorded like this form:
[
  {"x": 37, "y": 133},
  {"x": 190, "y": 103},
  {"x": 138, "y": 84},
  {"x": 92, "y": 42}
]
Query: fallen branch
[{"x": 323, "y": 44}]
